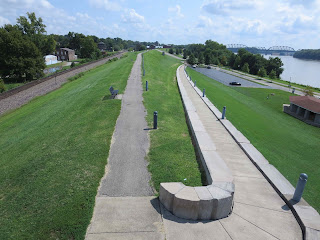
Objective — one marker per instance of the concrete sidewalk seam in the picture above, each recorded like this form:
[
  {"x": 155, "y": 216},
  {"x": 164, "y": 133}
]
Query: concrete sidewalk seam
[{"x": 256, "y": 226}]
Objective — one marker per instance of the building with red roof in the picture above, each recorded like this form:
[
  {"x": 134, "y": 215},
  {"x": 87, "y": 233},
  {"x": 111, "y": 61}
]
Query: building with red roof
[{"x": 305, "y": 108}]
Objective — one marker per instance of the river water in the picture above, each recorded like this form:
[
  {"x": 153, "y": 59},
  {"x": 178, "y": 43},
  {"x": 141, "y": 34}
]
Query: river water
[{"x": 300, "y": 71}]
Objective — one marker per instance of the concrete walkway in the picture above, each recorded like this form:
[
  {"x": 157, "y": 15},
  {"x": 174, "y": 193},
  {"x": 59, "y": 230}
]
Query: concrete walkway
[
  {"x": 258, "y": 213},
  {"x": 126, "y": 209},
  {"x": 125, "y": 206}
]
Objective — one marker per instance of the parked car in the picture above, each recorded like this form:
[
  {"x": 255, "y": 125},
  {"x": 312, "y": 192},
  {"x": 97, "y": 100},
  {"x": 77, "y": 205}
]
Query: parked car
[
  {"x": 209, "y": 67},
  {"x": 235, "y": 83},
  {"x": 194, "y": 66}
]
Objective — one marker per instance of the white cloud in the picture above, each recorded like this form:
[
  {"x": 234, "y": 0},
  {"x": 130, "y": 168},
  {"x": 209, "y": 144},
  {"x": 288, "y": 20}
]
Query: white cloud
[
  {"x": 3, "y": 21},
  {"x": 205, "y": 22},
  {"x": 222, "y": 7},
  {"x": 176, "y": 10},
  {"x": 106, "y": 4},
  {"x": 131, "y": 16}
]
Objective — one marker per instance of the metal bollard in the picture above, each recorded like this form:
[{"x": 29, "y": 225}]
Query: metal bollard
[
  {"x": 223, "y": 112},
  {"x": 195, "y": 83},
  {"x": 300, "y": 187},
  {"x": 155, "y": 120},
  {"x": 203, "y": 92},
  {"x": 293, "y": 89},
  {"x": 146, "y": 85}
]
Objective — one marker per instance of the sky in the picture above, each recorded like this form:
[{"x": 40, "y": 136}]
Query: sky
[{"x": 254, "y": 23}]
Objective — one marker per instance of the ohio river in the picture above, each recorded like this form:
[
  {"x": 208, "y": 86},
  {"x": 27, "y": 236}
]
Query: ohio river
[{"x": 300, "y": 71}]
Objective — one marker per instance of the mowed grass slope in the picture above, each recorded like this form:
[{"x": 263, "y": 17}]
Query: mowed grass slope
[
  {"x": 172, "y": 156},
  {"x": 291, "y": 145},
  {"x": 53, "y": 153}
]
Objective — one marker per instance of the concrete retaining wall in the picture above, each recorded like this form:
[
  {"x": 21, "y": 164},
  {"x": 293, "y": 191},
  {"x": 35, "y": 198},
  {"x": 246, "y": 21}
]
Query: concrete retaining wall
[
  {"x": 214, "y": 201},
  {"x": 307, "y": 216}
]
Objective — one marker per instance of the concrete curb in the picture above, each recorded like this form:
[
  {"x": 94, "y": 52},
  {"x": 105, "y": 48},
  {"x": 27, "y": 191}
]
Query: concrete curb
[
  {"x": 307, "y": 217},
  {"x": 206, "y": 202}
]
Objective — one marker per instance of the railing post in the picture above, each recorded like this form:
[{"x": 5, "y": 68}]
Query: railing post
[
  {"x": 223, "y": 112},
  {"x": 146, "y": 85},
  {"x": 300, "y": 187},
  {"x": 155, "y": 120},
  {"x": 203, "y": 92}
]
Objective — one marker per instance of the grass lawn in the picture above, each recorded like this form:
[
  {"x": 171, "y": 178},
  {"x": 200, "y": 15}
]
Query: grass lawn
[
  {"x": 53, "y": 154},
  {"x": 291, "y": 145},
  {"x": 172, "y": 156}
]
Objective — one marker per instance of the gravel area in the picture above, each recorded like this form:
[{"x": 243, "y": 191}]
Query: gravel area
[
  {"x": 227, "y": 78},
  {"x": 23, "y": 97}
]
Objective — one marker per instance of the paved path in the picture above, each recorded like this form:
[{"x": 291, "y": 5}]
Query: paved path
[
  {"x": 274, "y": 85},
  {"x": 258, "y": 213},
  {"x": 126, "y": 209},
  {"x": 125, "y": 206},
  {"x": 226, "y": 78}
]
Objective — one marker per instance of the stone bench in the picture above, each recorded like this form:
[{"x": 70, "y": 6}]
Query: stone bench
[{"x": 210, "y": 202}]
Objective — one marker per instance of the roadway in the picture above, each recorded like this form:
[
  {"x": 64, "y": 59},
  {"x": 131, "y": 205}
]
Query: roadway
[{"x": 226, "y": 78}]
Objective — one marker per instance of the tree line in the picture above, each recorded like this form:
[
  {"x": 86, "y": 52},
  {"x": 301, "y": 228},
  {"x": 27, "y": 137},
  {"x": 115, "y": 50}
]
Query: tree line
[
  {"x": 24, "y": 45},
  {"x": 214, "y": 53},
  {"x": 313, "y": 54}
]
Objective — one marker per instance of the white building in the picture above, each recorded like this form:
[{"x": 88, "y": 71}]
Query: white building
[{"x": 50, "y": 59}]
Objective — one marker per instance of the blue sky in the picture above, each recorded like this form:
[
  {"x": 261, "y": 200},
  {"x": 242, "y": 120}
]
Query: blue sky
[{"x": 294, "y": 23}]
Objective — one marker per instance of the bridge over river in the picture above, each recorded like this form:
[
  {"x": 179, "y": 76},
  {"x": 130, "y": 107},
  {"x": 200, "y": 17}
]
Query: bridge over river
[{"x": 275, "y": 50}]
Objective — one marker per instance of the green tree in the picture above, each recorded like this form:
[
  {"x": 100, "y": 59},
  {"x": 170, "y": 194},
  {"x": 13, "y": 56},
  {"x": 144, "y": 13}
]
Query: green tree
[
  {"x": 262, "y": 72},
  {"x": 185, "y": 54},
  {"x": 191, "y": 60},
  {"x": 171, "y": 51},
  {"x": 207, "y": 59},
  {"x": 245, "y": 68},
  {"x": 272, "y": 74},
  {"x": 224, "y": 60},
  {"x": 34, "y": 29},
  {"x": 2, "y": 86},
  {"x": 201, "y": 58},
  {"x": 20, "y": 58},
  {"x": 237, "y": 63},
  {"x": 88, "y": 47}
]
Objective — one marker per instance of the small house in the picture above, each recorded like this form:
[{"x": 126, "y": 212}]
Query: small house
[
  {"x": 50, "y": 59},
  {"x": 65, "y": 54},
  {"x": 305, "y": 108}
]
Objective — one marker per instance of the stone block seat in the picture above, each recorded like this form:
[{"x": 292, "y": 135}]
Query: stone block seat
[{"x": 211, "y": 202}]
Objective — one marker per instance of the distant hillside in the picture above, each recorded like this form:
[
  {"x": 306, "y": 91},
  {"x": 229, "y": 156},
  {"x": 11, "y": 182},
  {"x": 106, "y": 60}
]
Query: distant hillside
[{"x": 313, "y": 54}]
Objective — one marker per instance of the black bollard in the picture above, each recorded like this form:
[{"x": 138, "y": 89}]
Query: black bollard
[
  {"x": 146, "y": 85},
  {"x": 155, "y": 120},
  {"x": 223, "y": 112},
  {"x": 203, "y": 92},
  {"x": 300, "y": 187}
]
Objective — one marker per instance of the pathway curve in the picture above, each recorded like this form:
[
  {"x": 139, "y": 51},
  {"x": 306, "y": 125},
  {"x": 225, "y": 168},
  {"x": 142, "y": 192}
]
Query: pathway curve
[
  {"x": 258, "y": 212},
  {"x": 125, "y": 206}
]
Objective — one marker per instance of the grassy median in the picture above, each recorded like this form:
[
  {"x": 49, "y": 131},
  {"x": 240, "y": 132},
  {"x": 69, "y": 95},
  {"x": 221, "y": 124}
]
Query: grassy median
[
  {"x": 172, "y": 156},
  {"x": 291, "y": 145},
  {"x": 53, "y": 152}
]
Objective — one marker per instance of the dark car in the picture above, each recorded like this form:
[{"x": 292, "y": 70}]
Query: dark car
[
  {"x": 235, "y": 83},
  {"x": 209, "y": 67}
]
